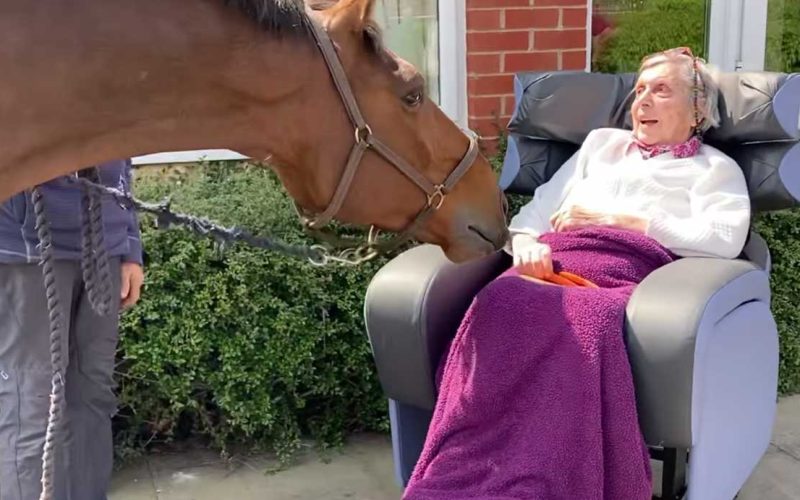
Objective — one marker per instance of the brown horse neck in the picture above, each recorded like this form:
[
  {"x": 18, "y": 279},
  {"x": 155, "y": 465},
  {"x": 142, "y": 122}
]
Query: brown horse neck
[{"x": 175, "y": 75}]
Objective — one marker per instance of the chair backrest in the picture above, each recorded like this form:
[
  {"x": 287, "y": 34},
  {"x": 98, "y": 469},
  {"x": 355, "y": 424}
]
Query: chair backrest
[{"x": 555, "y": 111}]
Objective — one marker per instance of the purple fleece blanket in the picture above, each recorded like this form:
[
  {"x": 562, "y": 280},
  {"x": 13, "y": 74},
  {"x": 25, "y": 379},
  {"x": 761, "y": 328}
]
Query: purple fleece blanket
[{"x": 536, "y": 398}]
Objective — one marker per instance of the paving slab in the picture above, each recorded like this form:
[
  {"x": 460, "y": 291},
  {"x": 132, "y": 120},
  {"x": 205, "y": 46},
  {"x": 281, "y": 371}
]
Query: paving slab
[
  {"x": 778, "y": 474},
  {"x": 363, "y": 470}
]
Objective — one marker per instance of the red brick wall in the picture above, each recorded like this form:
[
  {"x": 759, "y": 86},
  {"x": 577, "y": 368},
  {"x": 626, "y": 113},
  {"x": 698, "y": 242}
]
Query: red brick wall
[{"x": 508, "y": 36}]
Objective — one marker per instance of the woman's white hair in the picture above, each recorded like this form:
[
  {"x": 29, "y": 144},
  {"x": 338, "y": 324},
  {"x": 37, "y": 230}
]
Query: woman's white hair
[{"x": 706, "y": 83}]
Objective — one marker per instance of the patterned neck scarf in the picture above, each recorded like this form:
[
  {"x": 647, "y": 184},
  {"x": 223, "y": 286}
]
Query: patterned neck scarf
[{"x": 683, "y": 150}]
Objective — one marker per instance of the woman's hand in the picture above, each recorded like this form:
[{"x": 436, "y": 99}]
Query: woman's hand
[
  {"x": 131, "y": 284},
  {"x": 577, "y": 217},
  {"x": 531, "y": 257}
]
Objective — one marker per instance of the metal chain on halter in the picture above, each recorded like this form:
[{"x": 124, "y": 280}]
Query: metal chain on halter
[
  {"x": 318, "y": 255},
  {"x": 55, "y": 313}
]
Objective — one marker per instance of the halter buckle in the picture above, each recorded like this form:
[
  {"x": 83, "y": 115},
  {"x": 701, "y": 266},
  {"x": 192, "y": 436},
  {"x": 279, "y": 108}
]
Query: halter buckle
[
  {"x": 436, "y": 199},
  {"x": 363, "y": 134}
]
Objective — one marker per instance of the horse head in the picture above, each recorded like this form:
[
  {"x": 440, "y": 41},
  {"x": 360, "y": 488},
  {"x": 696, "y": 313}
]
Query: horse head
[{"x": 468, "y": 219}]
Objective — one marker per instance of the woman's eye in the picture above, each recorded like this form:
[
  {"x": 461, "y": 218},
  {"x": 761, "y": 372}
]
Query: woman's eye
[{"x": 413, "y": 99}]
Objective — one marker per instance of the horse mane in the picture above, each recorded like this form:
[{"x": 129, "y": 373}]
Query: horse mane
[{"x": 281, "y": 17}]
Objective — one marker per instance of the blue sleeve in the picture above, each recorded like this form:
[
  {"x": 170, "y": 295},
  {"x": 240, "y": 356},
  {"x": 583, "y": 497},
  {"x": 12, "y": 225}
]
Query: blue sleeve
[{"x": 134, "y": 236}]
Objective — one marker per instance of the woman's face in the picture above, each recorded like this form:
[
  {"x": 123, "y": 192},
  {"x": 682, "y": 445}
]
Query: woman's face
[{"x": 662, "y": 111}]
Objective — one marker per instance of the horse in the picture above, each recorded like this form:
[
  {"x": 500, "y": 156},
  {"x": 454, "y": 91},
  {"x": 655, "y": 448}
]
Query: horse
[{"x": 86, "y": 81}]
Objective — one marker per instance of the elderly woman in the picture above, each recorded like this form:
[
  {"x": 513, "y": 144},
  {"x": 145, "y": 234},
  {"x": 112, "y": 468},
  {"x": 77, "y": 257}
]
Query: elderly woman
[{"x": 536, "y": 398}]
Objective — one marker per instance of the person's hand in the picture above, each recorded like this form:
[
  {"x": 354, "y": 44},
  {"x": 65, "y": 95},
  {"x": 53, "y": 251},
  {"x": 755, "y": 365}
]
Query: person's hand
[
  {"x": 532, "y": 257},
  {"x": 131, "y": 284},
  {"x": 577, "y": 217}
]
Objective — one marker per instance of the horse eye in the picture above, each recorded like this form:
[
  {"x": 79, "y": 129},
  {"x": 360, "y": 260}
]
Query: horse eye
[{"x": 413, "y": 99}]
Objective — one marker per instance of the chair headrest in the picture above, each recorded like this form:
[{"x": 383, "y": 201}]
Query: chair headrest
[{"x": 759, "y": 128}]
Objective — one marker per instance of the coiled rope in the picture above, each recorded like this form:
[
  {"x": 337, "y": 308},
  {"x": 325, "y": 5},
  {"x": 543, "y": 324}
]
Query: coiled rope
[{"x": 97, "y": 280}]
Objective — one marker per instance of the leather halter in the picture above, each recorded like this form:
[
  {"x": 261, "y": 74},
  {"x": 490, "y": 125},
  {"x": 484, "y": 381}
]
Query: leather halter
[{"x": 365, "y": 140}]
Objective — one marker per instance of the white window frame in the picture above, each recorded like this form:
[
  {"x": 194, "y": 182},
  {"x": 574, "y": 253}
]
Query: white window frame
[
  {"x": 453, "y": 98},
  {"x": 452, "y": 23},
  {"x": 589, "y": 45},
  {"x": 188, "y": 157},
  {"x": 738, "y": 34}
]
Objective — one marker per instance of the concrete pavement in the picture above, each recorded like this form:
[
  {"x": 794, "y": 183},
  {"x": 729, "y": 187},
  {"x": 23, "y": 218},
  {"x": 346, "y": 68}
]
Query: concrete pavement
[{"x": 363, "y": 471}]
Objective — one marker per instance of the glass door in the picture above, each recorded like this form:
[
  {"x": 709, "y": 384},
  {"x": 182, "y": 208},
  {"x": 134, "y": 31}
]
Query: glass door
[
  {"x": 411, "y": 29},
  {"x": 624, "y": 31},
  {"x": 782, "y": 51}
]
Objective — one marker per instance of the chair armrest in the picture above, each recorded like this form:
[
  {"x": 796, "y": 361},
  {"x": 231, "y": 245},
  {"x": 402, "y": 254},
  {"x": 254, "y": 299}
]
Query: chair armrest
[
  {"x": 413, "y": 307},
  {"x": 757, "y": 252},
  {"x": 669, "y": 316}
]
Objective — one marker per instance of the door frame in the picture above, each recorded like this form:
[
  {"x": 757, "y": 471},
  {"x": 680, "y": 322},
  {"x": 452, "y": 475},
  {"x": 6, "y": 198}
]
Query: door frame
[{"x": 737, "y": 34}]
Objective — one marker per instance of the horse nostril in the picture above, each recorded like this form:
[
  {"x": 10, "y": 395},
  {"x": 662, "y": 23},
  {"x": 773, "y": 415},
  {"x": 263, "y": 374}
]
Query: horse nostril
[{"x": 480, "y": 233}]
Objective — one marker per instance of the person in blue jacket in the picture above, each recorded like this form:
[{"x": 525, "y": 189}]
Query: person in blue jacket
[{"x": 84, "y": 452}]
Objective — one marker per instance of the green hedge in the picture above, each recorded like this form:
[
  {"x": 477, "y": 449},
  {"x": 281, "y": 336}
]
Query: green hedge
[
  {"x": 782, "y": 232},
  {"x": 244, "y": 346}
]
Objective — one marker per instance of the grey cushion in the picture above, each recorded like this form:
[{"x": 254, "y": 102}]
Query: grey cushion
[
  {"x": 759, "y": 128},
  {"x": 758, "y": 107},
  {"x": 772, "y": 171},
  {"x": 566, "y": 106},
  {"x": 530, "y": 163}
]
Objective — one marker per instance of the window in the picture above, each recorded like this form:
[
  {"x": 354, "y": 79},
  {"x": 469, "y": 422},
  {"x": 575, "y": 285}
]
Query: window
[
  {"x": 411, "y": 29},
  {"x": 782, "y": 52},
  {"x": 624, "y": 31}
]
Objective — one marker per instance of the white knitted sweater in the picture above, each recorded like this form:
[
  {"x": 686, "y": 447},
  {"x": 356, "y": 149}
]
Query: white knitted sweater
[{"x": 697, "y": 206}]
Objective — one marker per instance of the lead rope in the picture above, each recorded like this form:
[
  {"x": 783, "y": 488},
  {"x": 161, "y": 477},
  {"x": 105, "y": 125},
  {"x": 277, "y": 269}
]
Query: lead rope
[
  {"x": 54, "y": 309},
  {"x": 94, "y": 255},
  {"x": 97, "y": 280}
]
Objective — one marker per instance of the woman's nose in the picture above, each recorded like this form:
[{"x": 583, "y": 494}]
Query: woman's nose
[{"x": 644, "y": 99}]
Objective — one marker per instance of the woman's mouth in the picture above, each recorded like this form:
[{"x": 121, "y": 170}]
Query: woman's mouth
[{"x": 648, "y": 122}]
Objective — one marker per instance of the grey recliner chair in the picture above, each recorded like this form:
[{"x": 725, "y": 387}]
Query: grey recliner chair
[{"x": 702, "y": 341}]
